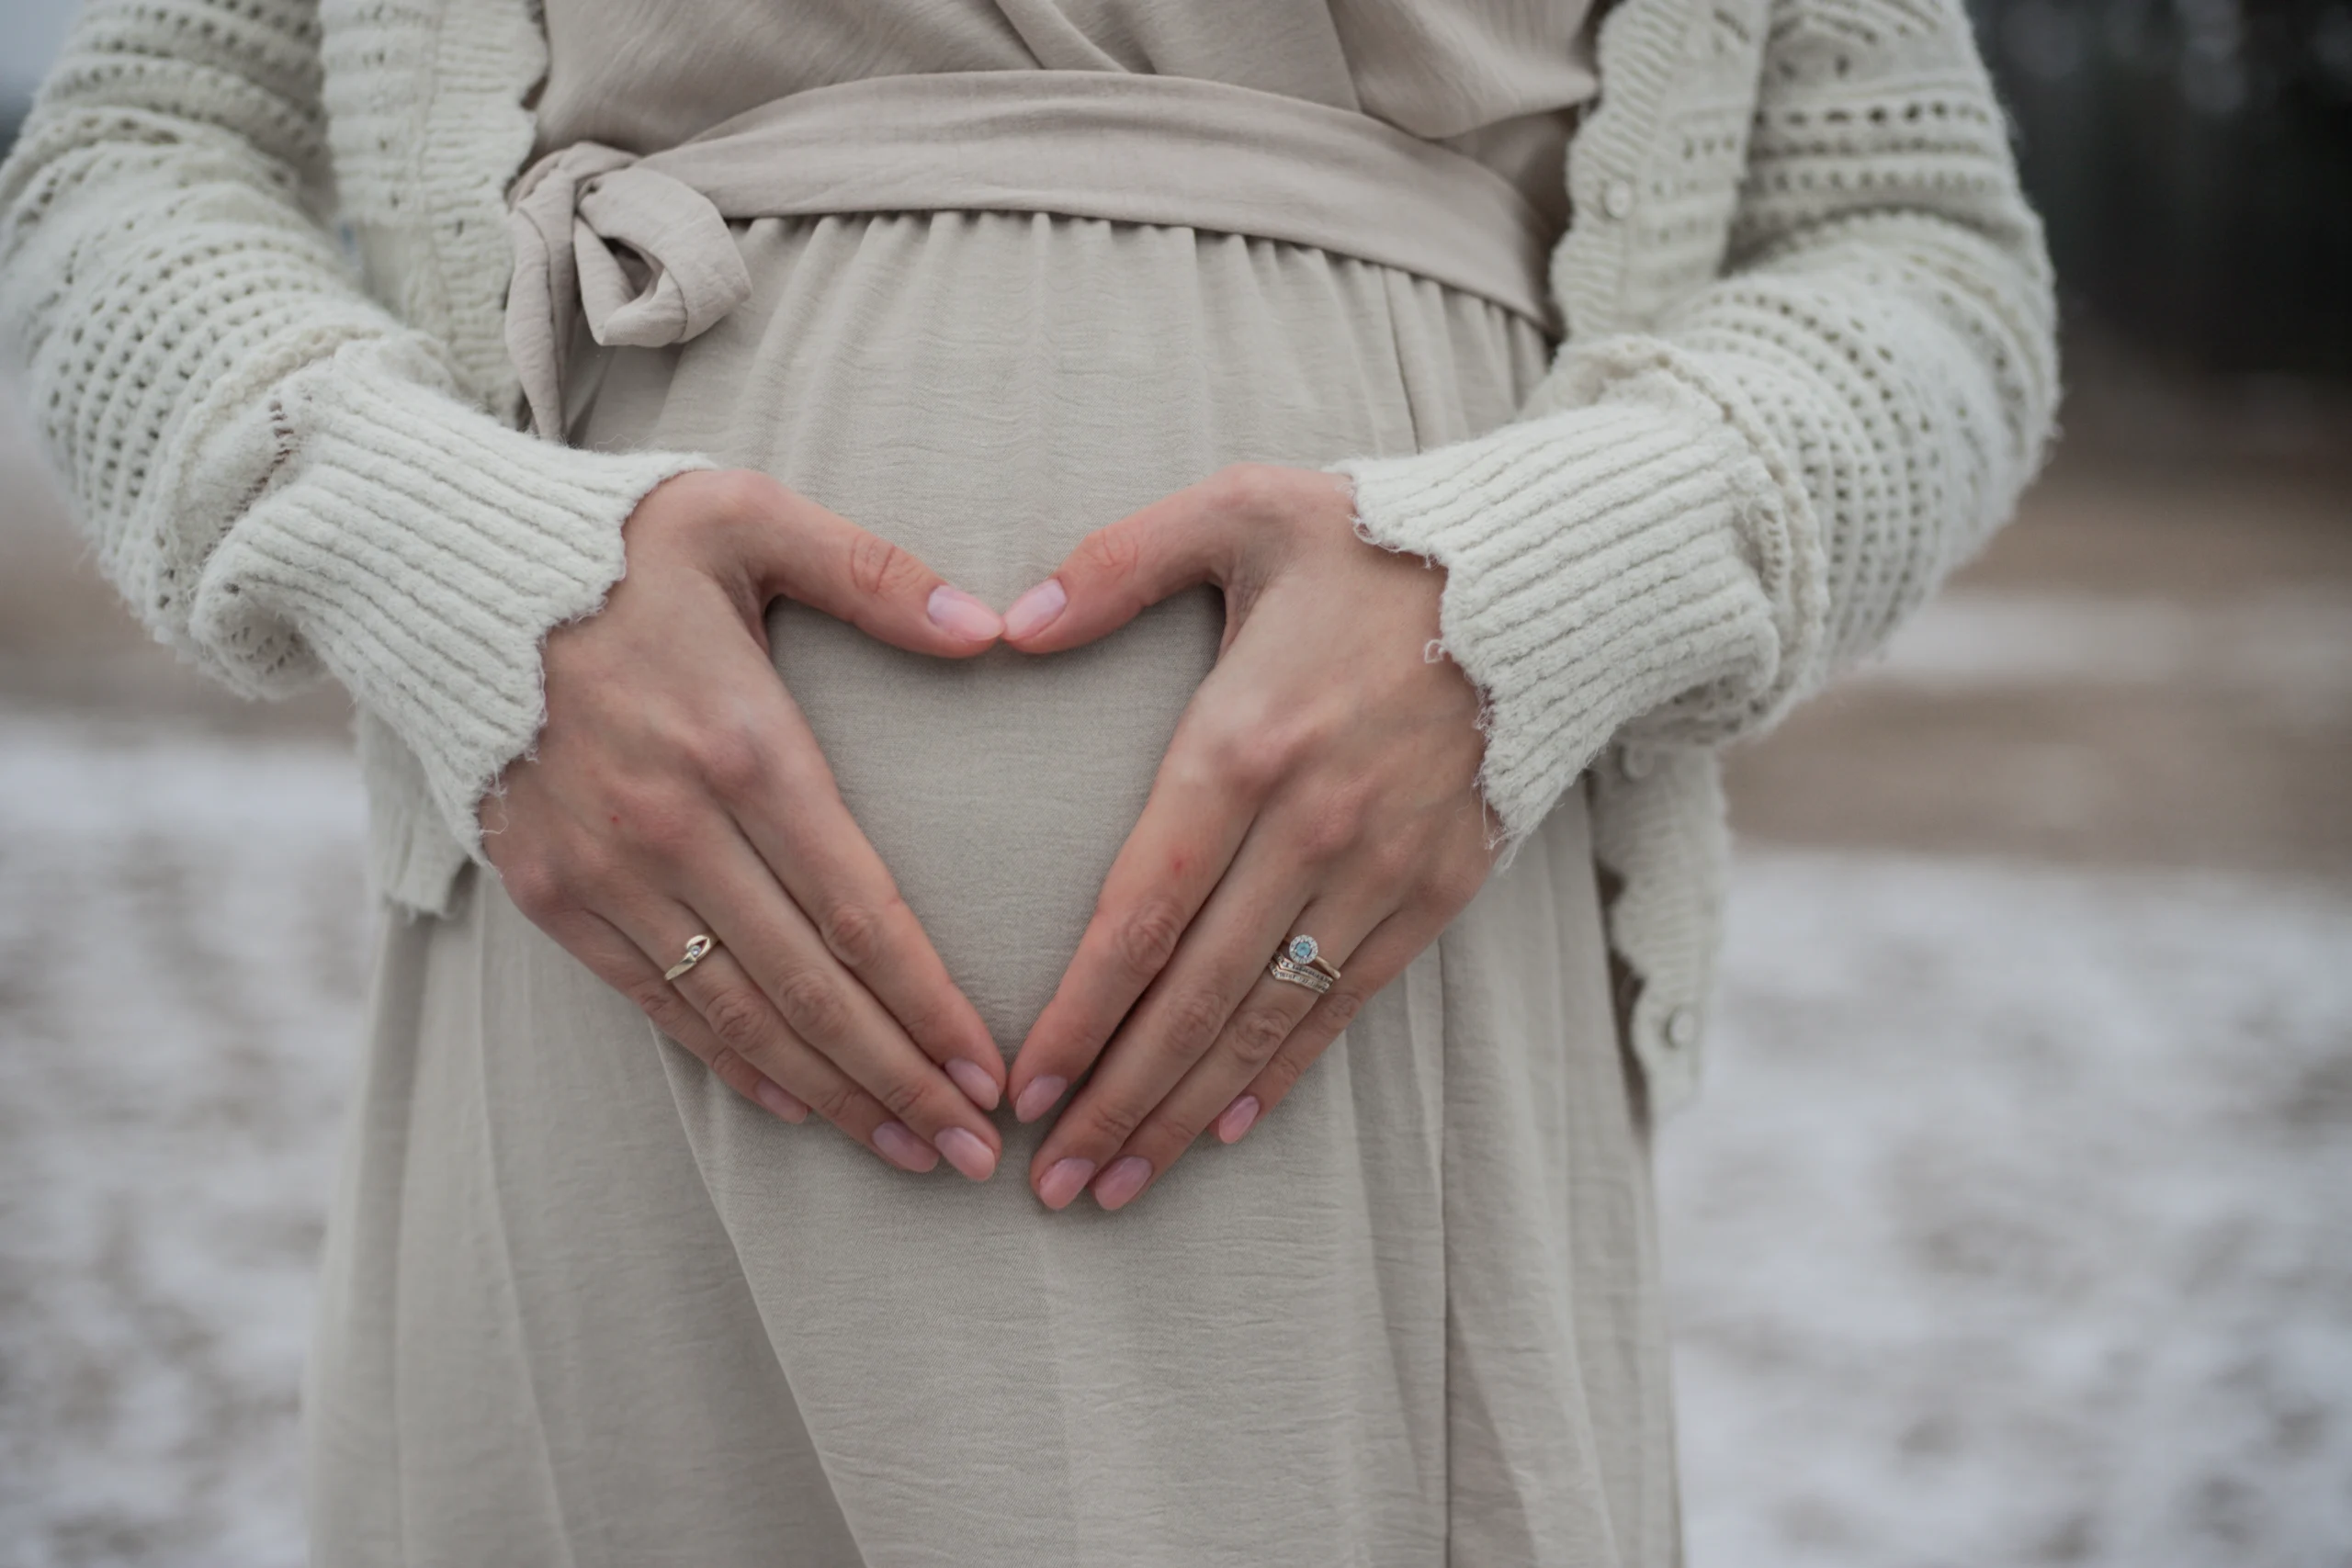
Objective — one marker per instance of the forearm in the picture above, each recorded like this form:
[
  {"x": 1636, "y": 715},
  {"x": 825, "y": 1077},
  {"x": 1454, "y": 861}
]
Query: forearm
[
  {"x": 1692, "y": 524},
  {"x": 280, "y": 476}
]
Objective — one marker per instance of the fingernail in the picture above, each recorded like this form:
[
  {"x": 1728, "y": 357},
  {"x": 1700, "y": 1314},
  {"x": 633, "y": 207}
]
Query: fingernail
[
  {"x": 1122, "y": 1181},
  {"x": 1238, "y": 1118},
  {"x": 1038, "y": 1098},
  {"x": 903, "y": 1149},
  {"x": 1036, "y": 610},
  {"x": 968, "y": 1154},
  {"x": 977, "y": 1086},
  {"x": 1065, "y": 1182},
  {"x": 953, "y": 610},
  {"x": 776, "y": 1100}
]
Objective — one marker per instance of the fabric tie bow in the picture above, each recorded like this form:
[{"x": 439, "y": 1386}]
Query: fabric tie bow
[{"x": 645, "y": 257}]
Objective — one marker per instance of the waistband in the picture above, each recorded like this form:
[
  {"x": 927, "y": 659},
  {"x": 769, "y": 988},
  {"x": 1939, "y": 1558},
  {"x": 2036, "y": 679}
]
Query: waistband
[{"x": 1131, "y": 149}]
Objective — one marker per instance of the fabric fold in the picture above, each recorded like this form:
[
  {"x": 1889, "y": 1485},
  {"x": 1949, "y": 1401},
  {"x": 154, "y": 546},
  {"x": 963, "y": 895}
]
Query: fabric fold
[{"x": 641, "y": 247}]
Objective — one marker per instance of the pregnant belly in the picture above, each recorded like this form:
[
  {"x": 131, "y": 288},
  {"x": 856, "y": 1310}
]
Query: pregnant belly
[
  {"x": 998, "y": 791},
  {"x": 986, "y": 390}
]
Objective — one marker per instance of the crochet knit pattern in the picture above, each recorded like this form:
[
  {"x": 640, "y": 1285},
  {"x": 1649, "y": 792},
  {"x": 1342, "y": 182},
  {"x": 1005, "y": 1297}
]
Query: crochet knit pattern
[{"x": 1809, "y": 368}]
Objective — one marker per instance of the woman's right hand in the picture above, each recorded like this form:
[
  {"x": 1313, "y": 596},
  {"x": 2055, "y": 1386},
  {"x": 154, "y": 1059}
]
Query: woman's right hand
[{"x": 677, "y": 789}]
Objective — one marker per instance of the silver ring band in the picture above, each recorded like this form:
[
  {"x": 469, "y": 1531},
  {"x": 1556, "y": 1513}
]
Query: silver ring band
[{"x": 699, "y": 946}]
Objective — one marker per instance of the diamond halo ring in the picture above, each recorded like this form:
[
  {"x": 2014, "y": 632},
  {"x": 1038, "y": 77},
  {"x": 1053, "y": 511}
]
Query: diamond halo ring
[{"x": 1300, "y": 962}]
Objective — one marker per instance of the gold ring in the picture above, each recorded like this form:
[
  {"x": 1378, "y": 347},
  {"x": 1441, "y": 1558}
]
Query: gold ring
[{"x": 698, "y": 947}]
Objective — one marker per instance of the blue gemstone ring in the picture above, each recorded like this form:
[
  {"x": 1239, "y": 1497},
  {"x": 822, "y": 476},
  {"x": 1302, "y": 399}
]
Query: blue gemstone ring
[{"x": 1301, "y": 953}]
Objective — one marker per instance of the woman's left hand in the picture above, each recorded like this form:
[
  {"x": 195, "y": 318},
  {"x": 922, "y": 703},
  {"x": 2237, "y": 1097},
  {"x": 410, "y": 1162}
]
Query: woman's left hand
[{"x": 1321, "y": 782}]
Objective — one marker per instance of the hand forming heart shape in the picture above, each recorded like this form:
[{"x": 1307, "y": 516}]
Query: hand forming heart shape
[{"x": 1322, "y": 780}]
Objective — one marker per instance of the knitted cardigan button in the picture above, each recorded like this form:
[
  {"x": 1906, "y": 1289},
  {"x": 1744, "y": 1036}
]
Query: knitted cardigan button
[
  {"x": 1682, "y": 1028},
  {"x": 1617, "y": 199},
  {"x": 1633, "y": 763}
]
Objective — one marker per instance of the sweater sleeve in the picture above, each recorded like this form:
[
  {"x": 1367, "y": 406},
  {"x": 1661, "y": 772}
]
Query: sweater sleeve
[
  {"x": 281, "y": 477},
  {"x": 1691, "y": 525}
]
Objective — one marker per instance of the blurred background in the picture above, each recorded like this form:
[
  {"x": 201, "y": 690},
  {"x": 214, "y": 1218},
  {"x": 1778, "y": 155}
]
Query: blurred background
[{"x": 2015, "y": 1225}]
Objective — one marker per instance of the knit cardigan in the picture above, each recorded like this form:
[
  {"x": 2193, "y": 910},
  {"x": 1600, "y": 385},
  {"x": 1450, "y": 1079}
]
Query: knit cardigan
[{"x": 1808, "y": 367}]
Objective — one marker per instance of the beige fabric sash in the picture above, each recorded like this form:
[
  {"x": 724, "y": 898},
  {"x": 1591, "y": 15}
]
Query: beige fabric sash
[{"x": 641, "y": 246}]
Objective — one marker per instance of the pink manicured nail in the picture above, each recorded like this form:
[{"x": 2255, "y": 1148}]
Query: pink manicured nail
[
  {"x": 977, "y": 1086},
  {"x": 1122, "y": 1181},
  {"x": 968, "y": 1154},
  {"x": 1238, "y": 1118},
  {"x": 1065, "y": 1182},
  {"x": 1039, "y": 1096},
  {"x": 953, "y": 610},
  {"x": 903, "y": 1149},
  {"x": 776, "y": 1100},
  {"x": 1036, "y": 610}
]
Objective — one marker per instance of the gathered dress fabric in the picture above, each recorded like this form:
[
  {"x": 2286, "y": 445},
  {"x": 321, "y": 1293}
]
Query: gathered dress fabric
[{"x": 583, "y": 1306}]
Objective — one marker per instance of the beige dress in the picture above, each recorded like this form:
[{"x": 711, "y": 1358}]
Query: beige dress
[{"x": 582, "y": 1305}]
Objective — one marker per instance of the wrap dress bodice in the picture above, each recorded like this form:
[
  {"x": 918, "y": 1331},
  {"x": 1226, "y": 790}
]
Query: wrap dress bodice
[{"x": 982, "y": 277}]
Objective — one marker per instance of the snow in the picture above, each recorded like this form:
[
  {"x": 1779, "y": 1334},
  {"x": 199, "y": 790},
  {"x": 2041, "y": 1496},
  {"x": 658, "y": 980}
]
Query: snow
[
  {"x": 2010, "y": 1228},
  {"x": 2283, "y": 647}
]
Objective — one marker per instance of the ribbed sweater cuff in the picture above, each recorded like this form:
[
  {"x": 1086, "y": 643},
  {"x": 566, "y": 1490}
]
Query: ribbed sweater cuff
[
  {"x": 422, "y": 551},
  {"x": 1598, "y": 572}
]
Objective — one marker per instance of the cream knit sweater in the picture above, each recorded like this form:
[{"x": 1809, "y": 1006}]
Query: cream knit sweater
[{"x": 1809, "y": 368}]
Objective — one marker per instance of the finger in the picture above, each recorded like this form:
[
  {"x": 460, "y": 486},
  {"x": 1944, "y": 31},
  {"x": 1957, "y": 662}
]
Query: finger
[
  {"x": 1196, "y": 820},
  {"x": 827, "y": 1010},
  {"x": 807, "y": 1010},
  {"x": 740, "y": 1019},
  {"x": 825, "y": 1007},
  {"x": 789, "y": 805},
  {"x": 1177, "y": 542},
  {"x": 1179, "y": 1020},
  {"x": 829, "y": 563},
  {"x": 1380, "y": 958},
  {"x": 1261, "y": 1024},
  {"x": 614, "y": 960}
]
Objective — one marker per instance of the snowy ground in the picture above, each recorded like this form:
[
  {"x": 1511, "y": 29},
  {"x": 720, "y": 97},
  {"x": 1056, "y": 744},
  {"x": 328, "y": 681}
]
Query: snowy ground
[
  {"x": 2015, "y": 1225},
  {"x": 2011, "y": 1228}
]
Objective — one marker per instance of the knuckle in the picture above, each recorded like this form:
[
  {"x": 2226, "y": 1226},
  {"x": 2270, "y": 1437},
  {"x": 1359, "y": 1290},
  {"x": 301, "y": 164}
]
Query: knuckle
[
  {"x": 902, "y": 1097},
  {"x": 813, "y": 1005},
  {"x": 833, "y": 1102},
  {"x": 1247, "y": 488},
  {"x": 656, "y": 1000},
  {"x": 854, "y": 933},
  {"x": 1390, "y": 865},
  {"x": 737, "y": 1020},
  {"x": 738, "y": 494},
  {"x": 1160, "y": 1139},
  {"x": 733, "y": 1069},
  {"x": 1114, "y": 553},
  {"x": 880, "y": 569},
  {"x": 1191, "y": 1023},
  {"x": 661, "y": 822},
  {"x": 731, "y": 762},
  {"x": 535, "y": 887},
  {"x": 1147, "y": 936},
  {"x": 1333, "y": 824},
  {"x": 1251, "y": 758},
  {"x": 1113, "y": 1121},
  {"x": 1256, "y": 1032}
]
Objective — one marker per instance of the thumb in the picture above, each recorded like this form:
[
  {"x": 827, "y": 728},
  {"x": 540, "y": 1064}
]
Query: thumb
[
  {"x": 1118, "y": 571},
  {"x": 829, "y": 563}
]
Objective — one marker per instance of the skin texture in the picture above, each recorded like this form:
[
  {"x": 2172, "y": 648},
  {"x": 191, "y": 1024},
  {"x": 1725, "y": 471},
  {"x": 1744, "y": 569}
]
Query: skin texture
[
  {"x": 676, "y": 789},
  {"x": 1322, "y": 780}
]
